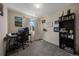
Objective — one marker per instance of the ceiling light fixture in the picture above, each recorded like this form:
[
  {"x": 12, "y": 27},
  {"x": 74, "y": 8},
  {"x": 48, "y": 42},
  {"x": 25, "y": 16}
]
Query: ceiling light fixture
[{"x": 37, "y": 5}]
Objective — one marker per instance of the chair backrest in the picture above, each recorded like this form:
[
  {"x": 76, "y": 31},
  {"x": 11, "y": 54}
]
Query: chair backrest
[
  {"x": 23, "y": 35},
  {"x": 27, "y": 30}
]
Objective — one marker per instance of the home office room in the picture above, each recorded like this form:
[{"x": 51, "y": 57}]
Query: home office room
[{"x": 39, "y": 29}]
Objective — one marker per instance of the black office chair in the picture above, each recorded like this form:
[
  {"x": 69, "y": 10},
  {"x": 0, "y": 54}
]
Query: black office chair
[
  {"x": 27, "y": 34},
  {"x": 22, "y": 39}
]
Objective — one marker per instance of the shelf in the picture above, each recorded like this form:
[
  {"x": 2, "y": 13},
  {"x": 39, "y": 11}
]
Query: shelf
[
  {"x": 69, "y": 15},
  {"x": 63, "y": 32},
  {"x": 65, "y": 26},
  {"x": 66, "y": 20},
  {"x": 66, "y": 38}
]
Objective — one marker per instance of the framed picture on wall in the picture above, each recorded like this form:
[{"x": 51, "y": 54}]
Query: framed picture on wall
[
  {"x": 56, "y": 29},
  {"x": 18, "y": 21},
  {"x": 56, "y": 26},
  {"x": 43, "y": 21},
  {"x": 57, "y": 22}
]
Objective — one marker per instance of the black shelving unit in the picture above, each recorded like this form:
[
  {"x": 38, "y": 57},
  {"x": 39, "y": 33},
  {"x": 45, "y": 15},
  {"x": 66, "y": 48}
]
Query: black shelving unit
[{"x": 67, "y": 32}]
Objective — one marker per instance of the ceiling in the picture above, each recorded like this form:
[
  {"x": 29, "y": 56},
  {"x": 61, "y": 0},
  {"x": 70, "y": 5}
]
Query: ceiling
[{"x": 29, "y": 8}]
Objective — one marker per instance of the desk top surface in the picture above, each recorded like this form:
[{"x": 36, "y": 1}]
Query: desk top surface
[{"x": 12, "y": 35}]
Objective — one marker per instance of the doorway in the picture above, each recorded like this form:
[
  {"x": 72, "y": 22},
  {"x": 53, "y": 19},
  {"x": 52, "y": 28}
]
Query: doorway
[{"x": 32, "y": 27}]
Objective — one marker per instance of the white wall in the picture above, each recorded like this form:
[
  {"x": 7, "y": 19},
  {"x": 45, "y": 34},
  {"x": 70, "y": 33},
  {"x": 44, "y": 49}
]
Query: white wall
[
  {"x": 53, "y": 37},
  {"x": 11, "y": 20},
  {"x": 50, "y": 35},
  {"x": 3, "y": 29}
]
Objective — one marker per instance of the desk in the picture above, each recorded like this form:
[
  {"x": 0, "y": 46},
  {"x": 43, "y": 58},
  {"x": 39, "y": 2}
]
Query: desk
[{"x": 11, "y": 40}]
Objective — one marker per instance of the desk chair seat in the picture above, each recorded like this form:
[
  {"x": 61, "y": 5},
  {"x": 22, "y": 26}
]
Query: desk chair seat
[{"x": 21, "y": 40}]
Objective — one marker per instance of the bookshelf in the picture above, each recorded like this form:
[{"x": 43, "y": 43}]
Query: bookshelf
[{"x": 67, "y": 32}]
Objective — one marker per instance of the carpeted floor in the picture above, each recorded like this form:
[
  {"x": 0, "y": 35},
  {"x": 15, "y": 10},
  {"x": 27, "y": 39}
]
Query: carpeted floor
[{"x": 40, "y": 48}]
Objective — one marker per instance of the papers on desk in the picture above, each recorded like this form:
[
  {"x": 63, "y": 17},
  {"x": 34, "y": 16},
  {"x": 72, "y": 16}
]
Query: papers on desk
[{"x": 10, "y": 34}]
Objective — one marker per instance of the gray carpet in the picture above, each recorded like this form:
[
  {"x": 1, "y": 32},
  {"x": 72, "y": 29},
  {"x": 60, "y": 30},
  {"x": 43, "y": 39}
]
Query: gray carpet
[{"x": 40, "y": 48}]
